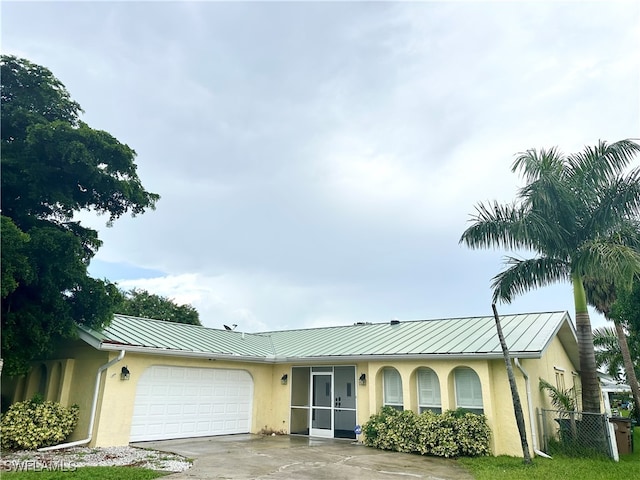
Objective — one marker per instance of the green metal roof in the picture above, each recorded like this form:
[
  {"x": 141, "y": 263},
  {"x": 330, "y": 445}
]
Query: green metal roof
[
  {"x": 527, "y": 336},
  {"x": 158, "y": 336}
]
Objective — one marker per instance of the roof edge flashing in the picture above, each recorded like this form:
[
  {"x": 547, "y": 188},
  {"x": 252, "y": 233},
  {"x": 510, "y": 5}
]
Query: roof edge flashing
[{"x": 233, "y": 357}]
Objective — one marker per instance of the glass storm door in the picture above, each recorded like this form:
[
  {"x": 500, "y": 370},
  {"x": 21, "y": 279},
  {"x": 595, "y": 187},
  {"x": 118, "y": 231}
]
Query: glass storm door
[{"x": 321, "y": 405}]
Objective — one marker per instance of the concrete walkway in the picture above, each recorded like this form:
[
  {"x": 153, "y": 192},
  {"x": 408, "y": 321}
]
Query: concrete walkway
[{"x": 300, "y": 458}]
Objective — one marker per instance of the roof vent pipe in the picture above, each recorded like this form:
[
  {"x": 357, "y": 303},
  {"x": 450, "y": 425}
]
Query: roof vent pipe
[{"x": 395, "y": 321}]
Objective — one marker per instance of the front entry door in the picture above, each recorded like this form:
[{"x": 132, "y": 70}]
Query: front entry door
[{"x": 321, "y": 404}]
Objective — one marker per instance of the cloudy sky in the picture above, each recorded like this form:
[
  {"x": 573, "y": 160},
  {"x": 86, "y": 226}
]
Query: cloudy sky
[{"x": 318, "y": 162}]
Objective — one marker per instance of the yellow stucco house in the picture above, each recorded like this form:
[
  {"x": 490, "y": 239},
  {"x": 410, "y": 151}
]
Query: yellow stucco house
[{"x": 141, "y": 379}]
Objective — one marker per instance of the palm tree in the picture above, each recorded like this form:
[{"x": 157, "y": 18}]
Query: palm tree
[
  {"x": 573, "y": 213},
  {"x": 560, "y": 399},
  {"x": 603, "y": 295},
  {"x": 564, "y": 401},
  {"x": 608, "y": 354}
]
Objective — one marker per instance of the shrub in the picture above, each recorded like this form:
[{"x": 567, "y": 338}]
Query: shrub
[
  {"x": 35, "y": 423},
  {"x": 451, "y": 434}
]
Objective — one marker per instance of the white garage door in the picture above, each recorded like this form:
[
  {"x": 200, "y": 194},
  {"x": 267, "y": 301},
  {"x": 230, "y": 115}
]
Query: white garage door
[{"x": 181, "y": 402}]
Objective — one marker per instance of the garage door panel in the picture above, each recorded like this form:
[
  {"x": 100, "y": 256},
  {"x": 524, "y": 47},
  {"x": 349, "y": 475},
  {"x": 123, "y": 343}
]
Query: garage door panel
[
  {"x": 179, "y": 402},
  {"x": 174, "y": 409},
  {"x": 172, "y": 428},
  {"x": 161, "y": 372},
  {"x": 156, "y": 410},
  {"x": 190, "y": 409},
  {"x": 159, "y": 390}
]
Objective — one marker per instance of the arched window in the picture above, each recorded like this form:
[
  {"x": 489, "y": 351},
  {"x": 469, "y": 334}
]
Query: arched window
[
  {"x": 428, "y": 391},
  {"x": 468, "y": 390},
  {"x": 392, "y": 383}
]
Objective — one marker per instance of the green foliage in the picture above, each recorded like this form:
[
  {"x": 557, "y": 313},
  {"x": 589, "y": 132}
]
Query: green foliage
[
  {"x": 36, "y": 423},
  {"x": 140, "y": 303},
  {"x": 626, "y": 311},
  {"x": 16, "y": 268},
  {"x": 608, "y": 353},
  {"x": 626, "y": 308},
  {"x": 578, "y": 215},
  {"x": 450, "y": 434},
  {"x": 54, "y": 165},
  {"x": 560, "y": 399}
]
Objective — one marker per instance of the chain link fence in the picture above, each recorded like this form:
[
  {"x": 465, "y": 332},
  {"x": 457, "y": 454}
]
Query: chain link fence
[{"x": 575, "y": 433}]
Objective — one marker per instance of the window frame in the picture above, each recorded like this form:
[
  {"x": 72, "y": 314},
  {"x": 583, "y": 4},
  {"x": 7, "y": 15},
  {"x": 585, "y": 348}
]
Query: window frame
[
  {"x": 435, "y": 405},
  {"x": 475, "y": 389},
  {"x": 386, "y": 384}
]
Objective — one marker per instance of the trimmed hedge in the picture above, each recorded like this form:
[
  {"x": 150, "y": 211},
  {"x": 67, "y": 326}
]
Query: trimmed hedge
[
  {"x": 450, "y": 434},
  {"x": 35, "y": 423}
]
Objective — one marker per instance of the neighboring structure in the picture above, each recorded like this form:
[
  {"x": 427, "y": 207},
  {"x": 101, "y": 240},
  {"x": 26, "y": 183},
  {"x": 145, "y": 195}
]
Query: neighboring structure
[
  {"x": 609, "y": 386},
  {"x": 149, "y": 379}
]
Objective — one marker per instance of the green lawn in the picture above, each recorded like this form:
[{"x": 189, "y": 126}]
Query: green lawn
[
  {"x": 89, "y": 473},
  {"x": 558, "y": 468}
]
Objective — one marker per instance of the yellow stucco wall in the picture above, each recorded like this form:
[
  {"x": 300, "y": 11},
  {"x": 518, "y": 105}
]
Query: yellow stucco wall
[
  {"x": 73, "y": 376},
  {"x": 505, "y": 430},
  {"x": 445, "y": 372},
  {"x": 113, "y": 421}
]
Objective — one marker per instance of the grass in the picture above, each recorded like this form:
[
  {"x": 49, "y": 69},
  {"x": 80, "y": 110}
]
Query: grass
[
  {"x": 558, "y": 468},
  {"x": 88, "y": 473}
]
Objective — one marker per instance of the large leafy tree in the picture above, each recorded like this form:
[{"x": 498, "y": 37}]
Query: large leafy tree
[
  {"x": 576, "y": 214},
  {"x": 54, "y": 165},
  {"x": 140, "y": 303}
]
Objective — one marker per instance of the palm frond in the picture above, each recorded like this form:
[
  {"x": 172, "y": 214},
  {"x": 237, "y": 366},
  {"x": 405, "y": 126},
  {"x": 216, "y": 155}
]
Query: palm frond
[
  {"x": 549, "y": 196},
  {"x": 607, "y": 351},
  {"x": 524, "y": 275},
  {"x": 514, "y": 227},
  {"x": 601, "y": 294},
  {"x": 535, "y": 164},
  {"x": 561, "y": 399},
  {"x": 497, "y": 225},
  {"x": 551, "y": 199},
  {"x": 619, "y": 199},
  {"x": 595, "y": 165},
  {"x": 605, "y": 338},
  {"x": 607, "y": 261}
]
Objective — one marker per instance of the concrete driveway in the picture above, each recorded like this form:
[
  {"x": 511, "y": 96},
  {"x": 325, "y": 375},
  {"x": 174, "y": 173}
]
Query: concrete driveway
[{"x": 300, "y": 458}]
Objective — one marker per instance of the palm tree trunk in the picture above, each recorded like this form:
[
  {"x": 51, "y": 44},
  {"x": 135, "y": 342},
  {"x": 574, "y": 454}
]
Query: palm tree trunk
[
  {"x": 517, "y": 405},
  {"x": 632, "y": 380},
  {"x": 588, "y": 369}
]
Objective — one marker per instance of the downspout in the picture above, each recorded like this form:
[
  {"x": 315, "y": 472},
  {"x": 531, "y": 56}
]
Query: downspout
[
  {"x": 532, "y": 418},
  {"x": 94, "y": 406}
]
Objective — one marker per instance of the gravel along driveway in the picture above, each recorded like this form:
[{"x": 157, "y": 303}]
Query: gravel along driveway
[{"x": 71, "y": 458}]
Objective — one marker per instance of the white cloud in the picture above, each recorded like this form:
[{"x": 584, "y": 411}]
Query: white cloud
[
  {"x": 252, "y": 301},
  {"x": 317, "y": 162}
]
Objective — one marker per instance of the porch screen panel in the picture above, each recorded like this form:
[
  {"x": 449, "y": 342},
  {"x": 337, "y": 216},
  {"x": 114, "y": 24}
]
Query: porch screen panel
[
  {"x": 300, "y": 383},
  {"x": 300, "y": 378}
]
